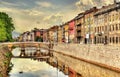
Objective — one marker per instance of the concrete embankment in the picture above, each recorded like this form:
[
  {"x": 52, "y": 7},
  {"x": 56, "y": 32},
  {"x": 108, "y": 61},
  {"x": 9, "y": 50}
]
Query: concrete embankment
[{"x": 5, "y": 57}]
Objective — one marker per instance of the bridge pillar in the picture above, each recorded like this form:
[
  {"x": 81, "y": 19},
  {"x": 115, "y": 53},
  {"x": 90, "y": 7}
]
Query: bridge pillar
[
  {"x": 38, "y": 52},
  {"x": 50, "y": 52},
  {"x": 22, "y": 53}
]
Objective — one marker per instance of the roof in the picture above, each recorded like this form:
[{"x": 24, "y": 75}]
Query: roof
[
  {"x": 106, "y": 9},
  {"x": 94, "y": 9},
  {"x": 79, "y": 16}
]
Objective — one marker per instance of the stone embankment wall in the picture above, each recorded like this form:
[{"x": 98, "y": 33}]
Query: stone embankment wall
[
  {"x": 5, "y": 56},
  {"x": 90, "y": 60},
  {"x": 106, "y": 54}
]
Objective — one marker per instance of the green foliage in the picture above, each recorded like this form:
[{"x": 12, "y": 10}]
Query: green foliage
[
  {"x": 39, "y": 39},
  {"x": 9, "y": 68},
  {"x": 6, "y": 27},
  {"x": 13, "y": 47},
  {"x": 8, "y": 54},
  {"x": 6, "y": 62}
]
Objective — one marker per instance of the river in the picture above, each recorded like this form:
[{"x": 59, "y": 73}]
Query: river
[{"x": 31, "y": 68}]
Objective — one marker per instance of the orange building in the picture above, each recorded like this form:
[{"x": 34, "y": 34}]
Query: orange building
[{"x": 53, "y": 34}]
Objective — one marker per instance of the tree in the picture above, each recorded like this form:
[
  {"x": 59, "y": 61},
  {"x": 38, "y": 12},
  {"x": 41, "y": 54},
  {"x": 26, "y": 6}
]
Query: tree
[
  {"x": 39, "y": 39},
  {"x": 6, "y": 27}
]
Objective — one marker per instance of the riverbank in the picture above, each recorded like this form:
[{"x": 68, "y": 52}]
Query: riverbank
[{"x": 5, "y": 57}]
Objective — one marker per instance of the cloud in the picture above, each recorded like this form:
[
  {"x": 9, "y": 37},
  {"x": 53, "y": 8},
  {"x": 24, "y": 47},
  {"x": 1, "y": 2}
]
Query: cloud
[
  {"x": 54, "y": 19},
  {"x": 33, "y": 12},
  {"x": 86, "y": 4},
  {"x": 38, "y": 69},
  {"x": 24, "y": 18},
  {"x": 44, "y": 4},
  {"x": 7, "y": 3},
  {"x": 43, "y": 13}
]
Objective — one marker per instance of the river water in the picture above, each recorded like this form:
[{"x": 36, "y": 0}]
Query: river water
[{"x": 31, "y": 68}]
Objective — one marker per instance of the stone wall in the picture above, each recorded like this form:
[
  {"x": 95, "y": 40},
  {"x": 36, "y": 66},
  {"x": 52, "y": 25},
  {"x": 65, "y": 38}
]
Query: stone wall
[
  {"x": 106, "y": 54},
  {"x": 4, "y": 60},
  {"x": 84, "y": 68}
]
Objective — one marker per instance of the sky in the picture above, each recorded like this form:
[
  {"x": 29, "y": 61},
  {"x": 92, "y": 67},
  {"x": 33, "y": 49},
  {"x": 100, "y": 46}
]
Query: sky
[{"x": 28, "y": 14}]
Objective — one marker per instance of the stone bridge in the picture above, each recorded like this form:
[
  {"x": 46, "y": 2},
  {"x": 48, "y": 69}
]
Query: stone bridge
[
  {"x": 11, "y": 45},
  {"x": 37, "y": 47}
]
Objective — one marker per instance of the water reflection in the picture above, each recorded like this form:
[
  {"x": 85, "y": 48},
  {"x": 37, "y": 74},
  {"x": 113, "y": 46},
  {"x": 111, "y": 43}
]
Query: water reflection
[{"x": 32, "y": 68}]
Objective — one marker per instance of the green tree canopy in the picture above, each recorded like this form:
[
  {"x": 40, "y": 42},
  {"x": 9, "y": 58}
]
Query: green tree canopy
[{"x": 6, "y": 27}]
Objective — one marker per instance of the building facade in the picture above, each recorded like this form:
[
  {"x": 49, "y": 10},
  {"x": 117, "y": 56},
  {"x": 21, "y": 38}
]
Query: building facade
[
  {"x": 53, "y": 37},
  {"x": 79, "y": 32},
  {"x": 71, "y": 31},
  {"x": 89, "y": 25},
  {"x": 66, "y": 32},
  {"x": 60, "y": 35},
  {"x": 107, "y": 27}
]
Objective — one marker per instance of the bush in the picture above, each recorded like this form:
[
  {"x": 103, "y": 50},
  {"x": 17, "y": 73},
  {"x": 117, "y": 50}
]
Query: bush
[{"x": 8, "y": 54}]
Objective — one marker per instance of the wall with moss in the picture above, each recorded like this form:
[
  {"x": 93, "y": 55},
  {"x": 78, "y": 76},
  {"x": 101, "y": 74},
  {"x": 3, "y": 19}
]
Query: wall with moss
[{"x": 5, "y": 57}]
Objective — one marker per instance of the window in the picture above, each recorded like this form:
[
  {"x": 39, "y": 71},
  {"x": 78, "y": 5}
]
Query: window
[
  {"x": 106, "y": 28},
  {"x": 102, "y": 28},
  {"x": 113, "y": 27},
  {"x": 116, "y": 39},
  {"x": 116, "y": 27},
  {"x": 113, "y": 40},
  {"x": 119, "y": 39},
  {"x": 119, "y": 26},
  {"x": 98, "y": 29},
  {"x": 110, "y": 40},
  {"x": 102, "y": 40},
  {"x": 110, "y": 27},
  {"x": 113, "y": 18}
]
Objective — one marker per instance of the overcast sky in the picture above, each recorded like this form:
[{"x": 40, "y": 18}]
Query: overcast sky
[{"x": 28, "y": 14}]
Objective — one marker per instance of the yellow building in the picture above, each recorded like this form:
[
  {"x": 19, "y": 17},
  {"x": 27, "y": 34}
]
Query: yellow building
[
  {"x": 107, "y": 28},
  {"x": 89, "y": 25},
  {"x": 60, "y": 34},
  {"x": 65, "y": 32}
]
